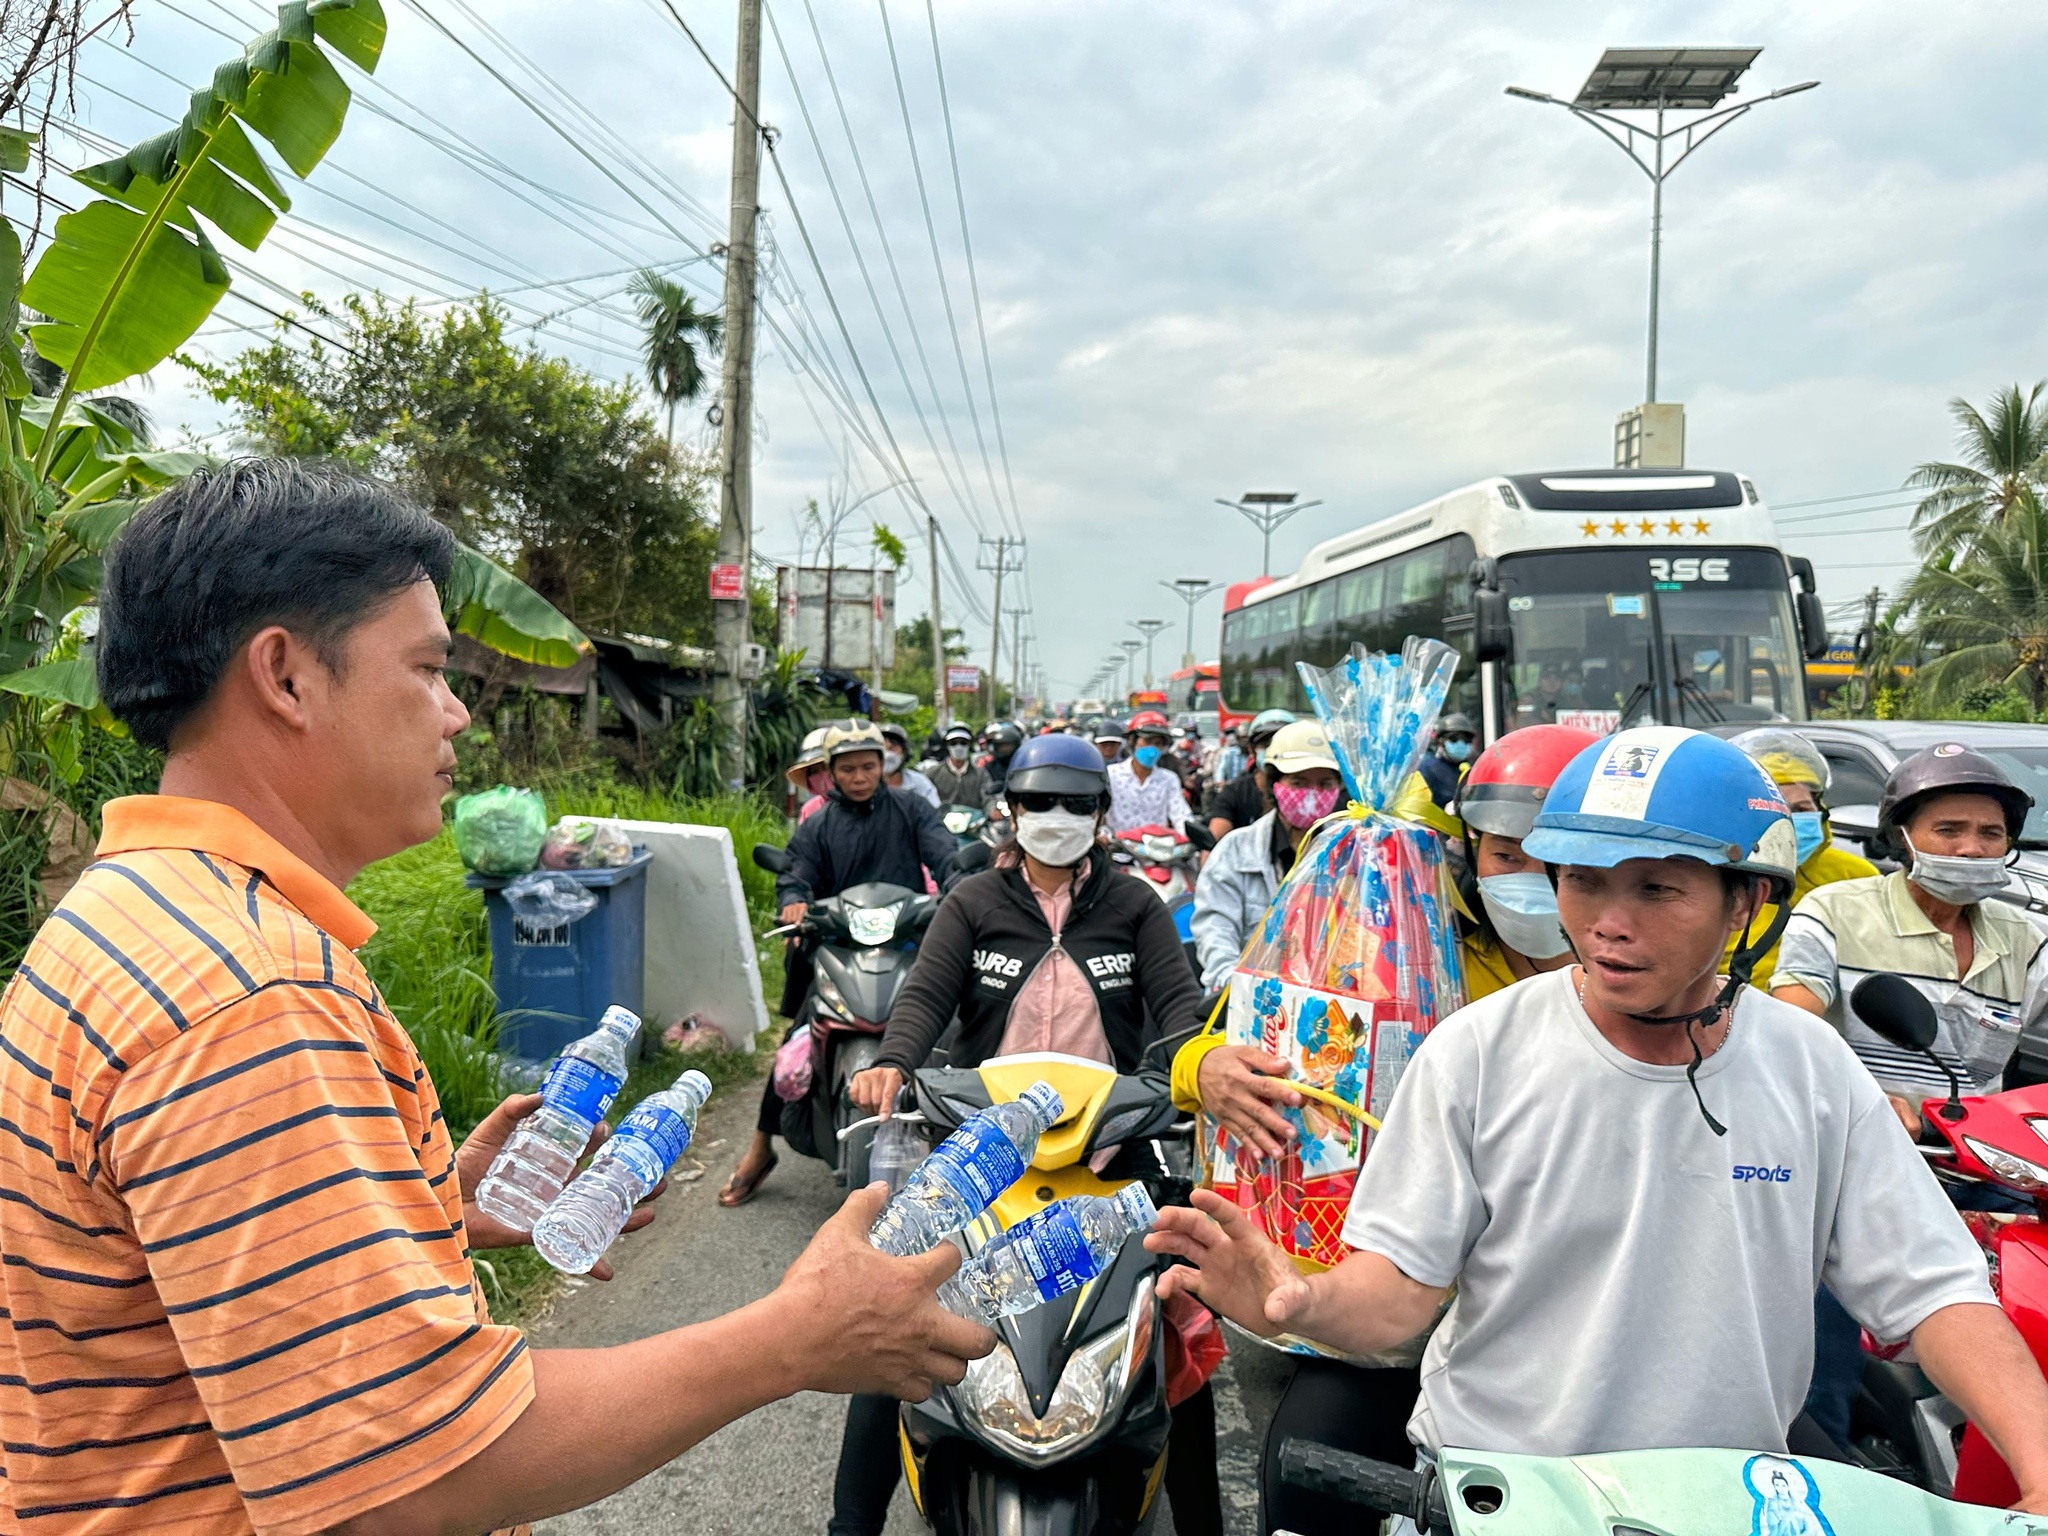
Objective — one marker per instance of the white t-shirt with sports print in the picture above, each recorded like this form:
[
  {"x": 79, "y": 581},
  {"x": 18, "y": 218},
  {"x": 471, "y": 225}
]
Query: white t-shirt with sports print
[{"x": 1626, "y": 1278}]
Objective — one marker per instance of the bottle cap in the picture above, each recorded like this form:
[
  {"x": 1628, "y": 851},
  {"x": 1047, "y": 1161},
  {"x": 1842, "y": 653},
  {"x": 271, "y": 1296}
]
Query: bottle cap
[
  {"x": 1135, "y": 1201},
  {"x": 696, "y": 1085},
  {"x": 1043, "y": 1100},
  {"x": 623, "y": 1020}
]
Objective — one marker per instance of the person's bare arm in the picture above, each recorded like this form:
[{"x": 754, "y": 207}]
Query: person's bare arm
[
  {"x": 846, "y": 1318},
  {"x": 1799, "y": 997},
  {"x": 1975, "y": 1355},
  {"x": 1362, "y": 1305}
]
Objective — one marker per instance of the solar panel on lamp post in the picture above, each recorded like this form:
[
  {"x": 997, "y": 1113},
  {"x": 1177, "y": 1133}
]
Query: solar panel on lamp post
[
  {"x": 1267, "y": 510},
  {"x": 1191, "y": 590},
  {"x": 1148, "y": 628},
  {"x": 1661, "y": 80}
]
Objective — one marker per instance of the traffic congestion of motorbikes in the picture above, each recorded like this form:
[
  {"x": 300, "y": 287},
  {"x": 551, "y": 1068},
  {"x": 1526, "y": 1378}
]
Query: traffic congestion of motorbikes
[{"x": 1069, "y": 898}]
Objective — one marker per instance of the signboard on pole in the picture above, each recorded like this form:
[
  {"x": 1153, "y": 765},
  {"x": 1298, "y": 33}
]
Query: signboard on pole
[
  {"x": 842, "y": 618},
  {"x": 727, "y": 585},
  {"x": 962, "y": 679}
]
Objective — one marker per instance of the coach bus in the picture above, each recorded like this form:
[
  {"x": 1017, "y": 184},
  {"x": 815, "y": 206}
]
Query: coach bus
[
  {"x": 1192, "y": 691},
  {"x": 1597, "y": 598}
]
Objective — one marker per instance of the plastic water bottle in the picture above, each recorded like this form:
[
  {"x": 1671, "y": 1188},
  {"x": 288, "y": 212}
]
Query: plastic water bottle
[
  {"x": 587, "y": 1217},
  {"x": 1056, "y": 1250},
  {"x": 897, "y": 1151},
  {"x": 966, "y": 1172},
  {"x": 541, "y": 1153}
]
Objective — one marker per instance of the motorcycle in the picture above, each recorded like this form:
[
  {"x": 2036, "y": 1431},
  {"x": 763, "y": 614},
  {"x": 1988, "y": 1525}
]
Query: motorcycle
[
  {"x": 1900, "y": 1424},
  {"x": 964, "y": 822},
  {"x": 1170, "y": 860},
  {"x": 1638, "y": 1493},
  {"x": 1062, "y": 1430},
  {"x": 862, "y": 944}
]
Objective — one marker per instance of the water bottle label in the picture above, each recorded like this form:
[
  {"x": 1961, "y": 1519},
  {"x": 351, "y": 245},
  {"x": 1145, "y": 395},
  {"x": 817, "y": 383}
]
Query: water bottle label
[
  {"x": 979, "y": 1161},
  {"x": 579, "y": 1088},
  {"x": 1055, "y": 1250},
  {"x": 660, "y": 1129}
]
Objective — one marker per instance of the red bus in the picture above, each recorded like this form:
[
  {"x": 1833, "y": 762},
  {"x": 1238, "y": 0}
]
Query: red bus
[{"x": 1195, "y": 691}]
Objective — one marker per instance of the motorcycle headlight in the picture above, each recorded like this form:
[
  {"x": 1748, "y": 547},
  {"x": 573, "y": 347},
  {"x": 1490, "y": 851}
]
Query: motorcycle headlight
[
  {"x": 830, "y": 995},
  {"x": 957, "y": 819},
  {"x": 1091, "y": 1388},
  {"x": 873, "y": 925},
  {"x": 2016, "y": 1171}
]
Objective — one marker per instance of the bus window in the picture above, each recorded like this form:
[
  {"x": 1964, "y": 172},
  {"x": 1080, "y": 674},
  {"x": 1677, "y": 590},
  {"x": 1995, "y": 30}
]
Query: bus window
[
  {"x": 1236, "y": 666},
  {"x": 1358, "y": 606},
  {"x": 1415, "y": 593},
  {"x": 1275, "y": 683},
  {"x": 1735, "y": 646},
  {"x": 1320, "y": 644}
]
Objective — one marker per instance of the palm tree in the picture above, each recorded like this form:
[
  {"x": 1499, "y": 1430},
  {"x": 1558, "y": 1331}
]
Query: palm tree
[
  {"x": 2006, "y": 454},
  {"x": 1989, "y": 615},
  {"x": 674, "y": 326}
]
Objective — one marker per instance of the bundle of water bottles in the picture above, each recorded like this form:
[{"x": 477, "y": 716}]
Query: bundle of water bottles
[
  {"x": 532, "y": 1184},
  {"x": 1047, "y": 1254},
  {"x": 1357, "y": 956}
]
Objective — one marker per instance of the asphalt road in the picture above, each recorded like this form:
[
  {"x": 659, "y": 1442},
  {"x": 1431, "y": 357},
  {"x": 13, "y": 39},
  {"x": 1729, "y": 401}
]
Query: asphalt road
[{"x": 772, "y": 1471}]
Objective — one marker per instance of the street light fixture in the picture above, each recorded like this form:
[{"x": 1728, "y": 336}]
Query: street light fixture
[
  {"x": 1191, "y": 590},
  {"x": 1661, "y": 80},
  {"x": 1130, "y": 648},
  {"x": 1148, "y": 628},
  {"x": 1267, "y": 510}
]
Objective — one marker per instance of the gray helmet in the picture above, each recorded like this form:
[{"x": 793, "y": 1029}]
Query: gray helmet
[
  {"x": 1455, "y": 724},
  {"x": 959, "y": 733},
  {"x": 1949, "y": 767}
]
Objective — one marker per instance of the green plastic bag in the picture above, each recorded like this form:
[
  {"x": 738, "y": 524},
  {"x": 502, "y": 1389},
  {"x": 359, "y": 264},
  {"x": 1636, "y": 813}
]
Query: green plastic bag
[{"x": 499, "y": 831}]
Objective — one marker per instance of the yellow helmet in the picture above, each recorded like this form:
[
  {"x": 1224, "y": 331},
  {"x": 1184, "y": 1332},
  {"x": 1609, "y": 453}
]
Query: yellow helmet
[{"x": 1787, "y": 756}]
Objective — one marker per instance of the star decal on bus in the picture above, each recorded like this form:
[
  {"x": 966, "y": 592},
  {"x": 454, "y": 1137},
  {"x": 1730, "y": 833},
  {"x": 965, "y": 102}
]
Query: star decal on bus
[
  {"x": 1619, "y": 527},
  {"x": 1701, "y": 526},
  {"x": 1646, "y": 526},
  {"x": 1590, "y": 529},
  {"x": 1674, "y": 526}
]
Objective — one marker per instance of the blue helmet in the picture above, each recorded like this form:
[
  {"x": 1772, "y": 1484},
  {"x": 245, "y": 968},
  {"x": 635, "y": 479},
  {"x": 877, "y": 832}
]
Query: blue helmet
[
  {"x": 1057, "y": 765},
  {"x": 1664, "y": 792}
]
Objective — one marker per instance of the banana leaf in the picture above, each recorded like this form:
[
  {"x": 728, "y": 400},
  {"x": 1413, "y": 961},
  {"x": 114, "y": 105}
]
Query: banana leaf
[
  {"x": 70, "y": 681},
  {"x": 492, "y": 606}
]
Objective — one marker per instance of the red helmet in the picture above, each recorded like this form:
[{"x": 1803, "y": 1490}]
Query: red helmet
[
  {"x": 1148, "y": 720},
  {"x": 1505, "y": 788}
]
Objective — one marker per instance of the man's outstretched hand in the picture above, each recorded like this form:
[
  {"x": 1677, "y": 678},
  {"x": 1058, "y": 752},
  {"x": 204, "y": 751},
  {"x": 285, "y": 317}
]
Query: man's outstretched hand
[
  {"x": 860, "y": 1320},
  {"x": 1232, "y": 1268},
  {"x": 473, "y": 1160}
]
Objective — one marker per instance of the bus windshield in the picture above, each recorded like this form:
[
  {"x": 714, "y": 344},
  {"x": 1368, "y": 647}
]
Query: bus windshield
[{"x": 1613, "y": 637}]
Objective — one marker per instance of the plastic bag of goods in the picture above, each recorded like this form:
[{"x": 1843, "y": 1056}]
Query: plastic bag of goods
[
  {"x": 499, "y": 831},
  {"x": 1355, "y": 960},
  {"x": 546, "y": 898},
  {"x": 585, "y": 842}
]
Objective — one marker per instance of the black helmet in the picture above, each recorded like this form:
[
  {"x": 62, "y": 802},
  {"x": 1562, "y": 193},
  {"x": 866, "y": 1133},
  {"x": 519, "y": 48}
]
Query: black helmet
[
  {"x": 1005, "y": 735},
  {"x": 1057, "y": 765},
  {"x": 1949, "y": 767},
  {"x": 1455, "y": 724}
]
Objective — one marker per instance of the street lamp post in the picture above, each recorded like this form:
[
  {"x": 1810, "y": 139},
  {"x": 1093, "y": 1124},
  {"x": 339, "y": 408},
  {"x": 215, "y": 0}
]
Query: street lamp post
[
  {"x": 1267, "y": 510},
  {"x": 1148, "y": 628},
  {"x": 1661, "y": 80},
  {"x": 1191, "y": 590},
  {"x": 1130, "y": 648}
]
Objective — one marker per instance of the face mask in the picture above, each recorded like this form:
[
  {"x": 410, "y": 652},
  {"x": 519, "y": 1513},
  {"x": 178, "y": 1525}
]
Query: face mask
[
  {"x": 1148, "y": 757},
  {"x": 892, "y": 762},
  {"x": 819, "y": 782},
  {"x": 1811, "y": 829},
  {"x": 1523, "y": 911},
  {"x": 1958, "y": 881},
  {"x": 1301, "y": 806},
  {"x": 1457, "y": 751},
  {"x": 957, "y": 752},
  {"x": 1058, "y": 838}
]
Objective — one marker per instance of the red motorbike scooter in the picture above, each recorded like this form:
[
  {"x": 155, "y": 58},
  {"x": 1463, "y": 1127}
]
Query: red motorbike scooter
[{"x": 2001, "y": 1139}]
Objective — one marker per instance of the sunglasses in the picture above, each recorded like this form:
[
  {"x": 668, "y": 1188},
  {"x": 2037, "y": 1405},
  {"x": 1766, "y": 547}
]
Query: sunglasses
[{"x": 1036, "y": 804}]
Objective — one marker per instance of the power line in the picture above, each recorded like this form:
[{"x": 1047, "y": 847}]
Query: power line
[
  {"x": 1823, "y": 501},
  {"x": 1821, "y": 517}
]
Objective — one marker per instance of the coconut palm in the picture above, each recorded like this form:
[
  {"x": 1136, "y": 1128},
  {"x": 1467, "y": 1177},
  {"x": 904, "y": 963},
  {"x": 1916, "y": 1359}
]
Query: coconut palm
[
  {"x": 2005, "y": 452},
  {"x": 674, "y": 328},
  {"x": 1989, "y": 615}
]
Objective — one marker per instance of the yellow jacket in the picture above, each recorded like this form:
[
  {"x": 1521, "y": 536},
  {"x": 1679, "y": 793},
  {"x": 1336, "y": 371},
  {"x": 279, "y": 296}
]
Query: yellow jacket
[
  {"x": 1486, "y": 968},
  {"x": 1828, "y": 865}
]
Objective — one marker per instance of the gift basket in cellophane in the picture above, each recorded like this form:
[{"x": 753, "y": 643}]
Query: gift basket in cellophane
[{"x": 1356, "y": 959}]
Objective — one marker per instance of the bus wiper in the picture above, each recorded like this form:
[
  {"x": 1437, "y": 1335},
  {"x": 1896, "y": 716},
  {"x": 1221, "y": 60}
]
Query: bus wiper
[
  {"x": 1684, "y": 683},
  {"x": 1636, "y": 696}
]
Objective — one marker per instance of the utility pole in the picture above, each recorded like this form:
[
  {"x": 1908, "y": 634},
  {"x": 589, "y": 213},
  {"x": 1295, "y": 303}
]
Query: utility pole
[
  {"x": 1866, "y": 642},
  {"x": 940, "y": 710},
  {"x": 1004, "y": 549},
  {"x": 736, "y": 406},
  {"x": 1149, "y": 628},
  {"x": 1016, "y": 655}
]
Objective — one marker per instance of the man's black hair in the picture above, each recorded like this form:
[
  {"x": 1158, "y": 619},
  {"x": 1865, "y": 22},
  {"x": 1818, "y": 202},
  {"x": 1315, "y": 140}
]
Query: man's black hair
[{"x": 313, "y": 546}]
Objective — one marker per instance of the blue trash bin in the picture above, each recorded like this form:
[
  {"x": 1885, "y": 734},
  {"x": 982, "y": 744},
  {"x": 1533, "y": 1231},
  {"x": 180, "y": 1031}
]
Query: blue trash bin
[{"x": 553, "y": 983}]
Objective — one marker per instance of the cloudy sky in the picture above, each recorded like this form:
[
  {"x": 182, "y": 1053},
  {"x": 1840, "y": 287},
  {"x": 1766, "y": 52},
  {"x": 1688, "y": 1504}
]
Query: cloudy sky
[{"x": 1218, "y": 247}]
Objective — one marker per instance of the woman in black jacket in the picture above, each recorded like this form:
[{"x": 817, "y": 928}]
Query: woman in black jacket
[{"x": 1052, "y": 950}]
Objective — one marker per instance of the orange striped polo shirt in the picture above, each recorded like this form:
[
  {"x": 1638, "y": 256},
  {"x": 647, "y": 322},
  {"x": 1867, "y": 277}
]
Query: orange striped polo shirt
[{"x": 237, "y": 1291}]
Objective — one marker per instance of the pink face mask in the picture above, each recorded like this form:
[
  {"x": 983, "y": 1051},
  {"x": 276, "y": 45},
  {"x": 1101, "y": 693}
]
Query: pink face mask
[
  {"x": 1302, "y": 806},
  {"x": 819, "y": 782}
]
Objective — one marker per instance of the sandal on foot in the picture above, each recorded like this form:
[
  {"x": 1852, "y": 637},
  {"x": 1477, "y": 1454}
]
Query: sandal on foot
[{"x": 738, "y": 1191}]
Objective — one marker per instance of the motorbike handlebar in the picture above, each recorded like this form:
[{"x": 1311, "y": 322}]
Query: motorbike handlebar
[{"x": 1376, "y": 1485}]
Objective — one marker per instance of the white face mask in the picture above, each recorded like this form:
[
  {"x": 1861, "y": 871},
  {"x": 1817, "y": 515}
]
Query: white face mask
[
  {"x": 1058, "y": 838},
  {"x": 957, "y": 751},
  {"x": 892, "y": 762},
  {"x": 1523, "y": 911},
  {"x": 1961, "y": 882}
]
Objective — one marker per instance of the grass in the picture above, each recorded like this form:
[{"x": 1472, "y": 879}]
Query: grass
[{"x": 431, "y": 959}]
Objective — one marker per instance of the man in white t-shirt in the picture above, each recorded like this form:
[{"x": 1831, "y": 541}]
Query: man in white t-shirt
[{"x": 1635, "y": 1174}]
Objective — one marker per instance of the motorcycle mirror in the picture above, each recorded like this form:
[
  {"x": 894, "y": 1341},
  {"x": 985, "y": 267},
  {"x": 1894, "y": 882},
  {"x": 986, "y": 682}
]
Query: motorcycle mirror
[
  {"x": 971, "y": 859},
  {"x": 1901, "y": 1014},
  {"x": 1199, "y": 834},
  {"x": 771, "y": 858}
]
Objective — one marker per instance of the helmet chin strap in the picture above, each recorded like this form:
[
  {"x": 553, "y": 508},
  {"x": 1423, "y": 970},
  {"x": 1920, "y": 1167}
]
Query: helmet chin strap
[{"x": 1740, "y": 967}]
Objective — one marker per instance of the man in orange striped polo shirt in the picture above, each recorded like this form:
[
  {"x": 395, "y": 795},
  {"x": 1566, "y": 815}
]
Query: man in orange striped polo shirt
[{"x": 236, "y": 1234}]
